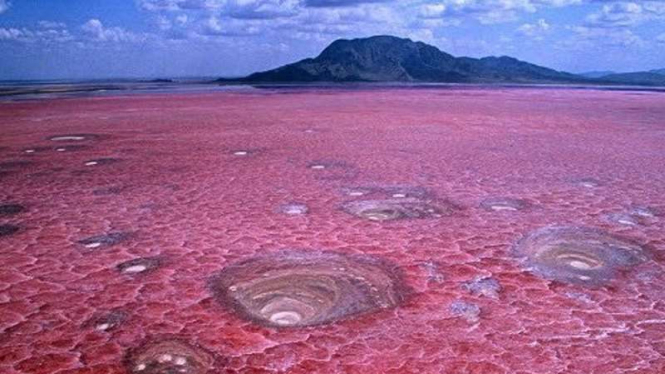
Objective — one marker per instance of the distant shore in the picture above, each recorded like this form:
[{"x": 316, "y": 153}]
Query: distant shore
[{"x": 44, "y": 89}]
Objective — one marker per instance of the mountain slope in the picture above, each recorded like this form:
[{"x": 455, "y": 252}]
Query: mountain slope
[
  {"x": 597, "y": 74},
  {"x": 392, "y": 59},
  {"x": 638, "y": 78}
]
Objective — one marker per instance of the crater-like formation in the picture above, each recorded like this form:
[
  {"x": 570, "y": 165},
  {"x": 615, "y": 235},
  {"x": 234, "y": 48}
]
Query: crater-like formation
[
  {"x": 11, "y": 209},
  {"x": 36, "y": 150},
  {"x": 624, "y": 219},
  {"x": 578, "y": 255},
  {"x": 70, "y": 148},
  {"x": 483, "y": 286},
  {"x": 293, "y": 209},
  {"x": 7, "y": 229},
  {"x": 388, "y": 191},
  {"x": 395, "y": 209},
  {"x": 297, "y": 288},
  {"x": 644, "y": 212},
  {"x": 108, "y": 321},
  {"x": 73, "y": 137},
  {"x": 503, "y": 204},
  {"x": 139, "y": 265},
  {"x": 468, "y": 311},
  {"x": 106, "y": 240},
  {"x": 333, "y": 170},
  {"x": 101, "y": 161},
  {"x": 634, "y": 216},
  {"x": 170, "y": 356},
  {"x": 588, "y": 182}
]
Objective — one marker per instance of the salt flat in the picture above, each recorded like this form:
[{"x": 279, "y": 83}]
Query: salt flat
[{"x": 383, "y": 230}]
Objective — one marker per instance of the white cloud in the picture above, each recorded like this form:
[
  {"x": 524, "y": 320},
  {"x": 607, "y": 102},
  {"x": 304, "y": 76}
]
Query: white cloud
[
  {"x": 626, "y": 14},
  {"x": 96, "y": 31},
  {"x": 42, "y": 34},
  {"x": 13, "y": 34},
  {"x": 215, "y": 26},
  {"x": 175, "y": 5},
  {"x": 244, "y": 9},
  {"x": 586, "y": 37},
  {"x": 182, "y": 19},
  {"x": 535, "y": 30},
  {"x": 51, "y": 25},
  {"x": 661, "y": 38},
  {"x": 4, "y": 5},
  {"x": 490, "y": 11}
]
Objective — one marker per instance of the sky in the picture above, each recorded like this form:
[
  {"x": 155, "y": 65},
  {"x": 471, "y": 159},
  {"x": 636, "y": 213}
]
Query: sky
[{"x": 86, "y": 39}]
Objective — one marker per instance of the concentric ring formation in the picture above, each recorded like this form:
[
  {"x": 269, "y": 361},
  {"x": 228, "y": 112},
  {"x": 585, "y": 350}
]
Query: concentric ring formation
[
  {"x": 295, "y": 288},
  {"x": 395, "y": 209},
  {"x": 504, "y": 204},
  {"x": 169, "y": 356},
  {"x": 579, "y": 255}
]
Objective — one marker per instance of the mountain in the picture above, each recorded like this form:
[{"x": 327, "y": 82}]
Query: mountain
[
  {"x": 643, "y": 78},
  {"x": 392, "y": 59},
  {"x": 658, "y": 71},
  {"x": 596, "y": 74}
]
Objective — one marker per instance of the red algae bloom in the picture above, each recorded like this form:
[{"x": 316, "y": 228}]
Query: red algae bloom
[
  {"x": 296, "y": 288},
  {"x": 578, "y": 255},
  {"x": 170, "y": 356}
]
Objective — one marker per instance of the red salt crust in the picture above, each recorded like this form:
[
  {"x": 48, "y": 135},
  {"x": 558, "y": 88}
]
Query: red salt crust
[{"x": 186, "y": 197}]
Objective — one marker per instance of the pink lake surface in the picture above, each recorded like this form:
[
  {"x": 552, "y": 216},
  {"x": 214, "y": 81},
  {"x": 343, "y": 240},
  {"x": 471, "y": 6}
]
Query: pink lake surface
[{"x": 180, "y": 195}]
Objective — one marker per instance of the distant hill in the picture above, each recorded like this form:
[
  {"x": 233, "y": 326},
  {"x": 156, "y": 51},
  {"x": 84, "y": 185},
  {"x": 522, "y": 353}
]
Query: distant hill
[
  {"x": 644, "y": 78},
  {"x": 596, "y": 74},
  {"x": 658, "y": 71},
  {"x": 392, "y": 59}
]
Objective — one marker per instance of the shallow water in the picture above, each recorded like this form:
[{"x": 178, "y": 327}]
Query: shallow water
[{"x": 128, "y": 219}]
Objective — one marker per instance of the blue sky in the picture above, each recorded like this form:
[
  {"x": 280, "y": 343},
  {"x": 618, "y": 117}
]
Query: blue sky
[{"x": 55, "y": 39}]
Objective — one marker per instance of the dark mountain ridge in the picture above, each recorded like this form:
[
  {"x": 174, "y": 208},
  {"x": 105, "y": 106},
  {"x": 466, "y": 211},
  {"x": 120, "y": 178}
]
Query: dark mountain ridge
[
  {"x": 392, "y": 59},
  {"x": 642, "y": 78}
]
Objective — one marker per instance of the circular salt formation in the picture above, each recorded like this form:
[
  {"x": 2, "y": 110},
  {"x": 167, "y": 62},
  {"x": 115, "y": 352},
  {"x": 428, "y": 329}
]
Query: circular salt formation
[
  {"x": 11, "y": 209},
  {"x": 589, "y": 182},
  {"x": 503, "y": 204},
  {"x": 578, "y": 254},
  {"x": 6, "y": 230},
  {"x": 70, "y": 148},
  {"x": 394, "y": 209},
  {"x": 623, "y": 219},
  {"x": 139, "y": 265},
  {"x": 107, "y": 321},
  {"x": 305, "y": 288},
  {"x": 101, "y": 161},
  {"x": 104, "y": 240},
  {"x": 72, "y": 137},
  {"x": 169, "y": 356},
  {"x": 294, "y": 209}
]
